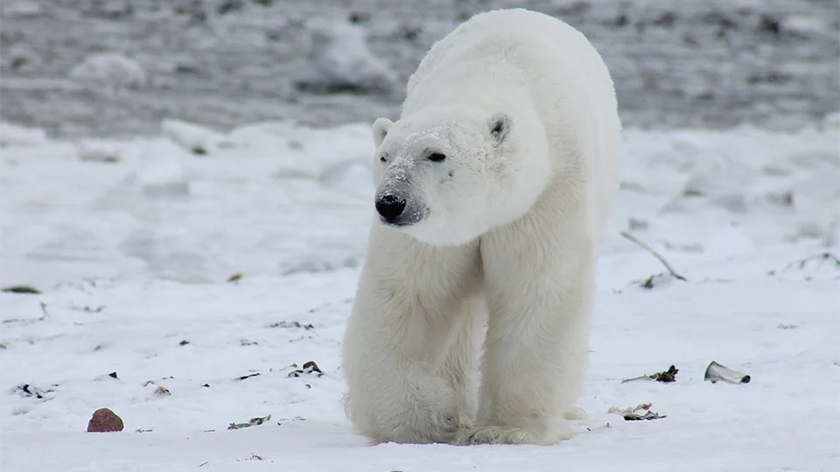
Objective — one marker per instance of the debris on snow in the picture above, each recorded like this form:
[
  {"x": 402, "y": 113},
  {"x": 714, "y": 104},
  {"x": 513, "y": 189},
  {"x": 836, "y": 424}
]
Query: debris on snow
[
  {"x": 89, "y": 309},
  {"x": 655, "y": 254},
  {"x": 248, "y": 376},
  {"x": 104, "y": 421},
  {"x": 665, "y": 376},
  {"x": 286, "y": 420},
  {"x": 308, "y": 368},
  {"x": 23, "y": 289},
  {"x": 252, "y": 422},
  {"x": 716, "y": 372},
  {"x": 27, "y": 390},
  {"x": 44, "y": 317},
  {"x": 817, "y": 260},
  {"x": 162, "y": 391},
  {"x": 656, "y": 280},
  {"x": 291, "y": 324},
  {"x": 235, "y": 278},
  {"x": 636, "y": 413}
]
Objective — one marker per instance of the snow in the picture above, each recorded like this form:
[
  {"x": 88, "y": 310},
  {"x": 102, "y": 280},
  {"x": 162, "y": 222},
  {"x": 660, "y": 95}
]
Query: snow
[
  {"x": 276, "y": 197},
  {"x": 15, "y": 135},
  {"x": 133, "y": 256}
]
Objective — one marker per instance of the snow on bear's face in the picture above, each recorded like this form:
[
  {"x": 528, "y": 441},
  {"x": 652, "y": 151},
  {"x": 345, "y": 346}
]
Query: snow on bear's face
[{"x": 447, "y": 181}]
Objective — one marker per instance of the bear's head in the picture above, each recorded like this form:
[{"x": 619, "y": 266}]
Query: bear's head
[{"x": 447, "y": 176}]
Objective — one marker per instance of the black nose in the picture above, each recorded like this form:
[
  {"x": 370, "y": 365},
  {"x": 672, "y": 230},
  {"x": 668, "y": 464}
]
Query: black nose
[{"x": 390, "y": 206}]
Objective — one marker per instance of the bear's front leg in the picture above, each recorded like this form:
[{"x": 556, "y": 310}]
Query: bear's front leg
[
  {"x": 408, "y": 305},
  {"x": 539, "y": 293}
]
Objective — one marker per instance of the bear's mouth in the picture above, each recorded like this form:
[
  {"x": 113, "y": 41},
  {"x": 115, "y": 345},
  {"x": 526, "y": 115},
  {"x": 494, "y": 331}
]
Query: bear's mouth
[{"x": 407, "y": 218}]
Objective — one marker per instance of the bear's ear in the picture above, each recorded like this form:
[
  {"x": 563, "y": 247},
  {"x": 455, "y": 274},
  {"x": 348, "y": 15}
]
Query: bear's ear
[
  {"x": 499, "y": 125},
  {"x": 380, "y": 130}
]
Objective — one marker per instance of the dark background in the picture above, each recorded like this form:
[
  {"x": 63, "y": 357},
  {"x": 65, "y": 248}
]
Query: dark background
[{"x": 711, "y": 64}]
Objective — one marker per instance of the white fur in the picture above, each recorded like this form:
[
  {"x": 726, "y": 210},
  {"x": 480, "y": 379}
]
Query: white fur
[{"x": 503, "y": 253}]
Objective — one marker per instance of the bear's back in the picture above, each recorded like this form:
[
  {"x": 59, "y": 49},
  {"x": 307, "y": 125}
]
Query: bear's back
[{"x": 524, "y": 56}]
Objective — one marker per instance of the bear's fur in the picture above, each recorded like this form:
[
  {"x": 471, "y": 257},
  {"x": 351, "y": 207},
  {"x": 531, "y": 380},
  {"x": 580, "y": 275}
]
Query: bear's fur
[{"x": 492, "y": 189}]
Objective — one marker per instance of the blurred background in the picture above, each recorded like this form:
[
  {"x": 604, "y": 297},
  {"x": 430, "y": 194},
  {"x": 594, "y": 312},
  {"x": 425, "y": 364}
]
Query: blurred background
[{"x": 222, "y": 63}]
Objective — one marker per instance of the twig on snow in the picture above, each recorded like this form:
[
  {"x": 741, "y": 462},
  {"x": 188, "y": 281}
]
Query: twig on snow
[
  {"x": 823, "y": 256},
  {"x": 649, "y": 249}
]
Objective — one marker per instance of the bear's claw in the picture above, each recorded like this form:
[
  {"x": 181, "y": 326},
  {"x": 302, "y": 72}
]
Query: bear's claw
[{"x": 497, "y": 435}]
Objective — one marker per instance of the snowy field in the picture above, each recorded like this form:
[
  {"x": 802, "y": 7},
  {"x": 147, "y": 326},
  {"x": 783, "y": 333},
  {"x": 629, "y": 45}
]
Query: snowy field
[
  {"x": 133, "y": 242},
  {"x": 187, "y": 270}
]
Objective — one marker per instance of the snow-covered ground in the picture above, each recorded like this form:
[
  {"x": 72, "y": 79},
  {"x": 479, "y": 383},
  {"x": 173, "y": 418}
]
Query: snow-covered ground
[
  {"x": 275, "y": 198},
  {"x": 132, "y": 243}
]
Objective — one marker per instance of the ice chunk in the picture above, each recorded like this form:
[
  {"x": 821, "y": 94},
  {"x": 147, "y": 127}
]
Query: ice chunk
[
  {"x": 14, "y": 135},
  {"x": 110, "y": 68},
  {"x": 192, "y": 137},
  {"x": 98, "y": 150},
  {"x": 339, "y": 60}
]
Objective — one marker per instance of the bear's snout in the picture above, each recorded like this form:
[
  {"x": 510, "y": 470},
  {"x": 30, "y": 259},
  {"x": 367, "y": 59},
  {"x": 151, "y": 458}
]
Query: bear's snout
[{"x": 390, "y": 207}]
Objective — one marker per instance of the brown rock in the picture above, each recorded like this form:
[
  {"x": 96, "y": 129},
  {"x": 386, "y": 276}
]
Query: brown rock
[{"x": 104, "y": 421}]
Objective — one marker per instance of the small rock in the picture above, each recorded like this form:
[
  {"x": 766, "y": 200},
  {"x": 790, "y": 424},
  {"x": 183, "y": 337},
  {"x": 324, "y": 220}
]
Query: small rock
[{"x": 104, "y": 421}]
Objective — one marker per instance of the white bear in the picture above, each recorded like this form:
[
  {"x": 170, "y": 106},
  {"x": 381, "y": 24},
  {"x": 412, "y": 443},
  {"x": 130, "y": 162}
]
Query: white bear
[{"x": 492, "y": 189}]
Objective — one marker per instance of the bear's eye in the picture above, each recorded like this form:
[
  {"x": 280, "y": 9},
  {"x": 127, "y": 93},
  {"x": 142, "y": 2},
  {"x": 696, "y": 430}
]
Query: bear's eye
[
  {"x": 436, "y": 157},
  {"x": 382, "y": 158}
]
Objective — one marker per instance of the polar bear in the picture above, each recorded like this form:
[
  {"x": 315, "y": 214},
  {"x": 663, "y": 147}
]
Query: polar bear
[{"x": 471, "y": 319}]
